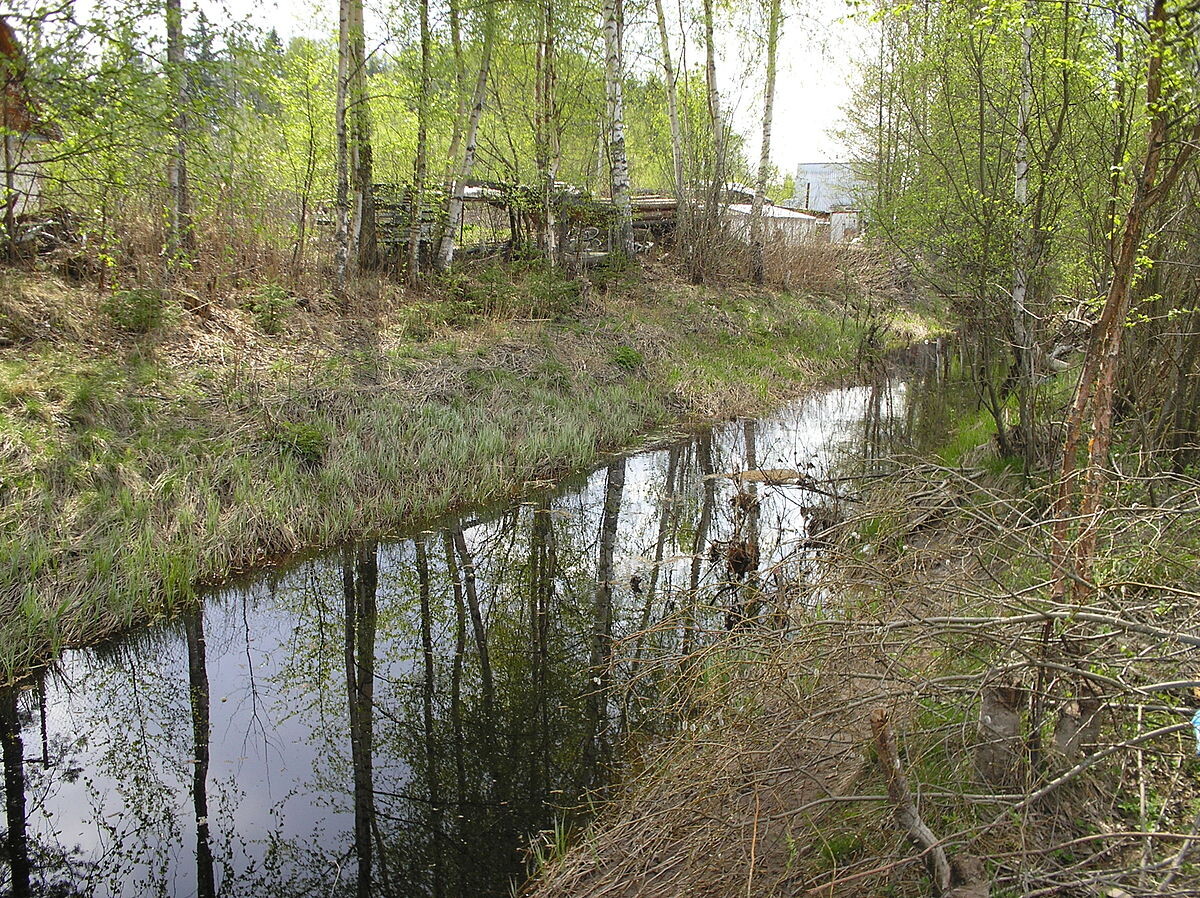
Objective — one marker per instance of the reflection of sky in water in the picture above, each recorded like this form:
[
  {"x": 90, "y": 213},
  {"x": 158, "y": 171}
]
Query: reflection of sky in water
[{"x": 280, "y": 784}]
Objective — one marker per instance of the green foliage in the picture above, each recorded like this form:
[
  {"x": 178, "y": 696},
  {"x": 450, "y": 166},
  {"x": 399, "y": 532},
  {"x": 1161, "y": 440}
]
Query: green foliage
[
  {"x": 271, "y": 305},
  {"x": 138, "y": 310},
  {"x": 627, "y": 357},
  {"x": 306, "y": 442}
]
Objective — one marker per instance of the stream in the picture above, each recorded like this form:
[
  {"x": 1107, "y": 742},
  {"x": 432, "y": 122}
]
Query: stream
[{"x": 400, "y": 717}]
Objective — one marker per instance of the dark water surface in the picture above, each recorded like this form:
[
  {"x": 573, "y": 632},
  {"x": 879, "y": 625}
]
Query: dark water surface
[{"x": 400, "y": 717}]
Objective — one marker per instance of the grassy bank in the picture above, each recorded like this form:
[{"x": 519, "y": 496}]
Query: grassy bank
[
  {"x": 151, "y": 445},
  {"x": 1048, "y": 746}
]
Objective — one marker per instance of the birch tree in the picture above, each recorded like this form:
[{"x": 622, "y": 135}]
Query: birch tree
[
  {"x": 180, "y": 236},
  {"x": 454, "y": 211},
  {"x": 774, "y": 16},
  {"x": 420, "y": 164},
  {"x": 714, "y": 105},
  {"x": 361, "y": 154},
  {"x": 618, "y": 161},
  {"x": 546, "y": 126},
  {"x": 668, "y": 64},
  {"x": 342, "y": 168},
  {"x": 1022, "y": 325}
]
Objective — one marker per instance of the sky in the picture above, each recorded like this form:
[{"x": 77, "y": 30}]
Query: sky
[
  {"x": 816, "y": 57},
  {"x": 820, "y": 43},
  {"x": 816, "y": 54}
]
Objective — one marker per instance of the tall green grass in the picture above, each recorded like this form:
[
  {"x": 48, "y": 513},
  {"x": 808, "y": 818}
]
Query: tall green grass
[{"x": 129, "y": 482}]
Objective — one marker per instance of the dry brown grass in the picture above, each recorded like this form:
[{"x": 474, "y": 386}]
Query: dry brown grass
[{"x": 929, "y": 592}]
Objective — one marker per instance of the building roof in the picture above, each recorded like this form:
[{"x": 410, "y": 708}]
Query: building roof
[
  {"x": 770, "y": 211},
  {"x": 17, "y": 112}
]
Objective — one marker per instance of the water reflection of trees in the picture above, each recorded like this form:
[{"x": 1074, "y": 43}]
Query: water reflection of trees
[{"x": 420, "y": 708}]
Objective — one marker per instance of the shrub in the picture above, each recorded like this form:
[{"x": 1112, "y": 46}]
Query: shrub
[
  {"x": 271, "y": 305},
  {"x": 138, "y": 311},
  {"x": 308, "y": 443},
  {"x": 627, "y": 357}
]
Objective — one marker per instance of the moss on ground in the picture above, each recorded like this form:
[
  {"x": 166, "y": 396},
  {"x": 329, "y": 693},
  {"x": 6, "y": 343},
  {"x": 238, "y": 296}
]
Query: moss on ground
[{"x": 138, "y": 467}]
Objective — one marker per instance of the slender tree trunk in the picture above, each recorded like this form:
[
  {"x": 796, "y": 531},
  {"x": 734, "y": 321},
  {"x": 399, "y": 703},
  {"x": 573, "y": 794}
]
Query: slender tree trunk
[
  {"x": 668, "y": 64},
  {"x": 664, "y": 518},
  {"x": 618, "y": 161},
  {"x": 477, "y": 627},
  {"x": 546, "y": 129},
  {"x": 454, "y": 212},
  {"x": 714, "y": 110},
  {"x": 774, "y": 15},
  {"x": 436, "y": 812},
  {"x": 10, "y": 197},
  {"x": 704, "y": 455},
  {"x": 460, "y": 85},
  {"x": 460, "y": 651},
  {"x": 16, "y": 839},
  {"x": 342, "y": 233},
  {"x": 596, "y": 749},
  {"x": 198, "y": 695},
  {"x": 180, "y": 235},
  {"x": 1022, "y": 250},
  {"x": 361, "y": 153},
  {"x": 751, "y": 532},
  {"x": 1098, "y": 379},
  {"x": 306, "y": 187},
  {"x": 420, "y": 165},
  {"x": 360, "y": 580}
]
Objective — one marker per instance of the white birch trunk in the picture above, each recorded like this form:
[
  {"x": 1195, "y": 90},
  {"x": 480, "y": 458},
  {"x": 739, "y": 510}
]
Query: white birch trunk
[
  {"x": 714, "y": 107},
  {"x": 618, "y": 161},
  {"x": 342, "y": 231},
  {"x": 420, "y": 164},
  {"x": 672, "y": 99},
  {"x": 774, "y": 15},
  {"x": 359, "y": 138},
  {"x": 1022, "y": 320},
  {"x": 454, "y": 211},
  {"x": 180, "y": 235}
]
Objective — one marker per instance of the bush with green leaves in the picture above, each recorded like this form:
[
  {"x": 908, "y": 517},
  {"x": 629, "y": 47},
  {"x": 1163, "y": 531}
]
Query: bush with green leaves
[
  {"x": 271, "y": 305},
  {"x": 138, "y": 310},
  {"x": 305, "y": 442}
]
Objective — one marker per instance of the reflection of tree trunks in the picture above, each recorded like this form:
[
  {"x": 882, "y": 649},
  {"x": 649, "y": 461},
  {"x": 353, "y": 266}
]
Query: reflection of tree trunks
[
  {"x": 660, "y": 543},
  {"x": 541, "y": 590},
  {"x": 193, "y": 625},
  {"x": 873, "y": 426},
  {"x": 751, "y": 593},
  {"x": 485, "y": 665},
  {"x": 360, "y": 579},
  {"x": 460, "y": 650},
  {"x": 596, "y": 749},
  {"x": 431, "y": 766},
  {"x": 16, "y": 840},
  {"x": 704, "y": 455}
]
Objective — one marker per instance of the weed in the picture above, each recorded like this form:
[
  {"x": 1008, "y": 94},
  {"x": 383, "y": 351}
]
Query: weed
[
  {"x": 627, "y": 357},
  {"x": 307, "y": 443},
  {"x": 271, "y": 305},
  {"x": 139, "y": 310}
]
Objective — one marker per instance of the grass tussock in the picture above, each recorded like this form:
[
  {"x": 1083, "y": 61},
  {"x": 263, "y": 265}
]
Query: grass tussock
[
  {"x": 154, "y": 441},
  {"x": 931, "y": 602}
]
